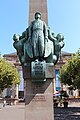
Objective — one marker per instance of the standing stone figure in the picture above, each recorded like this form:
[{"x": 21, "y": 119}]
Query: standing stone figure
[{"x": 38, "y": 35}]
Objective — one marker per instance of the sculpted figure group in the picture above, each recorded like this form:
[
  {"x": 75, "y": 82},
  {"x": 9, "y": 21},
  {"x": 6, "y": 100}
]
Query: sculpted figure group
[{"x": 38, "y": 42}]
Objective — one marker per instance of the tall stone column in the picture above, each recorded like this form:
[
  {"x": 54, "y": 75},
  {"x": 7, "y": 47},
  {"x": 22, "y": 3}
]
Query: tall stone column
[
  {"x": 38, "y": 95},
  {"x": 38, "y": 6}
]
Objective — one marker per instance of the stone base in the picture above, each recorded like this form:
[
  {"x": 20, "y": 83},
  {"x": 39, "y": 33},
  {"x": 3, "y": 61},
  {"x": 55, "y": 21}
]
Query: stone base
[
  {"x": 38, "y": 95},
  {"x": 39, "y": 100},
  {"x": 49, "y": 72}
]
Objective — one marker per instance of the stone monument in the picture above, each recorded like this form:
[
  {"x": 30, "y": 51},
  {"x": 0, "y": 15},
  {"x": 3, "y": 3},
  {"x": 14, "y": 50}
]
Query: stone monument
[{"x": 38, "y": 49}]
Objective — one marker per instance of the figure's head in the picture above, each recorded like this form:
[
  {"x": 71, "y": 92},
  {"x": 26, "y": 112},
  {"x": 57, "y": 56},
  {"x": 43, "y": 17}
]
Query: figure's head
[
  {"x": 37, "y": 15},
  {"x": 60, "y": 37},
  {"x": 16, "y": 37}
]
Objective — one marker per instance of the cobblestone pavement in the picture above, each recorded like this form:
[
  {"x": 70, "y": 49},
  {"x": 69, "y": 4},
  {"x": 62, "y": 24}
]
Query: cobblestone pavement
[{"x": 70, "y": 113}]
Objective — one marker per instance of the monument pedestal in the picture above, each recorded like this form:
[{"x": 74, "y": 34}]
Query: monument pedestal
[{"x": 39, "y": 96}]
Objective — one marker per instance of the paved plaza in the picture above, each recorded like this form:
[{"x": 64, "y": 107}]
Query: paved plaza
[
  {"x": 17, "y": 112},
  {"x": 70, "y": 113},
  {"x": 14, "y": 112}
]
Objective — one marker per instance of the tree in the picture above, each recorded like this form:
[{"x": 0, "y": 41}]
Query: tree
[
  {"x": 8, "y": 74},
  {"x": 70, "y": 72}
]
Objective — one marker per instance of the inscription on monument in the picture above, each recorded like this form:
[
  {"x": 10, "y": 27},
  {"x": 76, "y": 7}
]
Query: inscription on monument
[
  {"x": 39, "y": 98},
  {"x": 38, "y": 70},
  {"x": 38, "y": 89}
]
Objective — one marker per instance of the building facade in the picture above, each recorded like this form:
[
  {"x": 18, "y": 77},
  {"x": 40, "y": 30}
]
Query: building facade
[{"x": 13, "y": 58}]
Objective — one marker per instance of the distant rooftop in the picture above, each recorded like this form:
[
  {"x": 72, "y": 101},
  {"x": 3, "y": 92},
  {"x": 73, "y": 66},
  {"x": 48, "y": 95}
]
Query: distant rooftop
[
  {"x": 14, "y": 53},
  {"x": 67, "y": 53}
]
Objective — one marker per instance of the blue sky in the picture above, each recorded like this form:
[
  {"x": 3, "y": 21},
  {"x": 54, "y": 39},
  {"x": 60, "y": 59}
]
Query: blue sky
[{"x": 63, "y": 17}]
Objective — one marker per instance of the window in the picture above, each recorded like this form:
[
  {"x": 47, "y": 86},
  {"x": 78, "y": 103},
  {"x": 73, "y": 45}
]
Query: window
[{"x": 58, "y": 84}]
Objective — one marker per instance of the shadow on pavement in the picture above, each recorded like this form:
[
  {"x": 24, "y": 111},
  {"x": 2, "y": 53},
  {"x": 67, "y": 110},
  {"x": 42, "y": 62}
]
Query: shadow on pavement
[{"x": 70, "y": 113}]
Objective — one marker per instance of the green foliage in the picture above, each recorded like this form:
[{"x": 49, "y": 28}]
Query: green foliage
[
  {"x": 70, "y": 72},
  {"x": 8, "y": 74}
]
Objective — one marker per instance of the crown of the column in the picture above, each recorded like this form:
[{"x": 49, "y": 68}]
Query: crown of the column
[{"x": 38, "y": 6}]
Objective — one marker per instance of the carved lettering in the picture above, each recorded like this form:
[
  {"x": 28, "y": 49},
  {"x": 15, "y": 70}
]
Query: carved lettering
[
  {"x": 38, "y": 70},
  {"x": 39, "y": 98}
]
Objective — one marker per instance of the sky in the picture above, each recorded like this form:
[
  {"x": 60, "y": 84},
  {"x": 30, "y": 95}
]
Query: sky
[{"x": 63, "y": 17}]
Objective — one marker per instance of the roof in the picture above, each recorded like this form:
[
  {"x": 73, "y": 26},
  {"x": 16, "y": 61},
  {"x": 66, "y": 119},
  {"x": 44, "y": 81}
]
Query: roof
[
  {"x": 62, "y": 52},
  {"x": 66, "y": 53}
]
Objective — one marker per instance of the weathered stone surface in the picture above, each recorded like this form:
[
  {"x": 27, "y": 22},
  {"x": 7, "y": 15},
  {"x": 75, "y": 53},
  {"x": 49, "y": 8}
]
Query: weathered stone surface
[
  {"x": 40, "y": 6},
  {"x": 39, "y": 101},
  {"x": 48, "y": 71},
  {"x": 26, "y": 71}
]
